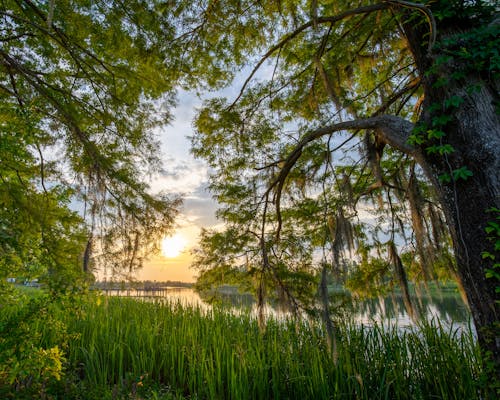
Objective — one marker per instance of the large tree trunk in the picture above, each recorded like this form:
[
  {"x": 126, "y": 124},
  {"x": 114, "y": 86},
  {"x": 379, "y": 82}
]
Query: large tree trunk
[{"x": 474, "y": 134}]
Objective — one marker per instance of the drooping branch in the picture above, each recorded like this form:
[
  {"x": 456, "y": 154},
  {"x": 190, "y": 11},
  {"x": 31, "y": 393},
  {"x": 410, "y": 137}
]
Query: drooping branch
[
  {"x": 374, "y": 150},
  {"x": 391, "y": 130},
  {"x": 410, "y": 87},
  {"x": 327, "y": 83},
  {"x": 417, "y": 219}
]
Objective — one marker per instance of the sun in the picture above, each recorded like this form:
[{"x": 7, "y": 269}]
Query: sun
[{"x": 172, "y": 246}]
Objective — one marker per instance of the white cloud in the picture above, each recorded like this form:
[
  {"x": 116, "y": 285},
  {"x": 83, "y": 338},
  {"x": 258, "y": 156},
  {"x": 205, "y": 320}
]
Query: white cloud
[
  {"x": 182, "y": 173},
  {"x": 182, "y": 176}
]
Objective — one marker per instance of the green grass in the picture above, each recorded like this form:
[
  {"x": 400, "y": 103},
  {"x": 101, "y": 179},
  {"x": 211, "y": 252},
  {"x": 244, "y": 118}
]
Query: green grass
[{"x": 123, "y": 348}]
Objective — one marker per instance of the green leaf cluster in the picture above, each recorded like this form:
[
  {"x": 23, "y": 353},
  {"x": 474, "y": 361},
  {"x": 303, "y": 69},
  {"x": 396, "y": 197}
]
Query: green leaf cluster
[
  {"x": 83, "y": 85},
  {"x": 493, "y": 231},
  {"x": 340, "y": 191}
]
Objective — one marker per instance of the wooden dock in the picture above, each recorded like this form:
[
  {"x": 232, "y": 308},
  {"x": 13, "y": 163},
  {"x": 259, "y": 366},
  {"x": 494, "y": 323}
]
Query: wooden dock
[{"x": 133, "y": 292}]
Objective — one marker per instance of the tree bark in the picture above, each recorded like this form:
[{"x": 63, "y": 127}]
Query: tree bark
[
  {"x": 86, "y": 255},
  {"x": 474, "y": 134}
]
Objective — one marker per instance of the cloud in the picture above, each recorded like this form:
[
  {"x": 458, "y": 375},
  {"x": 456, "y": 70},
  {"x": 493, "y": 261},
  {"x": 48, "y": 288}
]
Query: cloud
[
  {"x": 185, "y": 175},
  {"x": 200, "y": 207},
  {"x": 182, "y": 176}
]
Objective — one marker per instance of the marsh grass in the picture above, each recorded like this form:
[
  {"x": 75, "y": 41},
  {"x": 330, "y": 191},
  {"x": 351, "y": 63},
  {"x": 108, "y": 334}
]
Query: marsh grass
[
  {"x": 132, "y": 349},
  {"x": 216, "y": 355}
]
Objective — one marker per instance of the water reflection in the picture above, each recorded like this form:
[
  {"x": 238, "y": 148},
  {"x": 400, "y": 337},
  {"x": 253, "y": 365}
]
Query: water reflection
[
  {"x": 445, "y": 307},
  {"x": 184, "y": 295}
]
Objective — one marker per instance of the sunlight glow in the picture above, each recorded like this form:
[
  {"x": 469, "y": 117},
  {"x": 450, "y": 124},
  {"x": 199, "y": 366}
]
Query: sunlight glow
[{"x": 172, "y": 246}]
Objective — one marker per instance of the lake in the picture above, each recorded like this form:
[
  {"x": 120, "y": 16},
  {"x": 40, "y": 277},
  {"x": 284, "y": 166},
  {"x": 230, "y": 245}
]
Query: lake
[{"x": 439, "y": 304}]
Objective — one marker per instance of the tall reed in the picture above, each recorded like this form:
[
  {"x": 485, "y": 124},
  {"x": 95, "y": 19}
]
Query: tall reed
[{"x": 216, "y": 355}]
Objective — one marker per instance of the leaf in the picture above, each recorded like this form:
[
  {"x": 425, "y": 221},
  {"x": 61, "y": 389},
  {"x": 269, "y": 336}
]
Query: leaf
[
  {"x": 493, "y": 227},
  {"x": 462, "y": 173},
  {"x": 440, "y": 149},
  {"x": 435, "y": 134},
  {"x": 453, "y": 102},
  {"x": 444, "y": 178},
  {"x": 440, "y": 82},
  {"x": 441, "y": 120},
  {"x": 492, "y": 274}
]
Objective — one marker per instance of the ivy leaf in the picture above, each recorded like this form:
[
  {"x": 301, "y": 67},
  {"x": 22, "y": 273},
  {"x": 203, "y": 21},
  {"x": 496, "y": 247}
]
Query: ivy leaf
[
  {"x": 432, "y": 149},
  {"x": 462, "y": 173},
  {"x": 435, "y": 134},
  {"x": 492, "y": 274},
  {"x": 436, "y": 106},
  {"x": 444, "y": 178},
  {"x": 493, "y": 227},
  {"x": 440, "y": 82},
  {"x": 458, "y": 75},
  {"x": 440, "y": 149},
  {"x": 416, "y": 139},
  {"x": 441, "y": 120},
  {"x": 453, "y": 101}
]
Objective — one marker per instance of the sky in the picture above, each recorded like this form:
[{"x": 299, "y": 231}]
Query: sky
[{"x": 187, "y": 176}]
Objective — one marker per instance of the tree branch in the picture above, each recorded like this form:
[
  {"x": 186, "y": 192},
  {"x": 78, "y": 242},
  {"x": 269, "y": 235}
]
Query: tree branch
[
  {"x": 391, "y": 130},
  {"x": 302, "y": 28},
  {"x": 427, "y": 13},
  {"x": 315, "y": 21}
]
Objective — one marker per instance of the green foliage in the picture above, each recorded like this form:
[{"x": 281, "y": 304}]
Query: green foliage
[
  {"x": 40, "y": 236},
  {"x": 82, "y": 86},
  {"x": 233, "y": 257},
  {"x": 453, "y": 102},
  {"x": 493, "y": 231},
  {"x": 121, "y": 348},
  {"x": 369, "y": 278},
  {"x": 441, "y": 149},
  {"x": 477, "y": 50},
  {"x": 474, "y": 50},
  {"x": 461, "y": 173},
  {"x": 277, "y": 176},
  {"x": 28, "y": 364}
]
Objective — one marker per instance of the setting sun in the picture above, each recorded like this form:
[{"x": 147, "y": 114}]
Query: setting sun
[{"x": 172, "y": 246}]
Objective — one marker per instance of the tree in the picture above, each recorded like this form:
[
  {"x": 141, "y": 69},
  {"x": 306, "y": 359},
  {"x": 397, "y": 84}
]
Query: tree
[
  {"x": 82, "y": 86},
  {"x": 391, "y": 107}
]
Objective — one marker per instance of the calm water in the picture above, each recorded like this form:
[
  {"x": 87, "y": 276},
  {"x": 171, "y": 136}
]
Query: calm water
[{"x": 445, "y": 306}]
